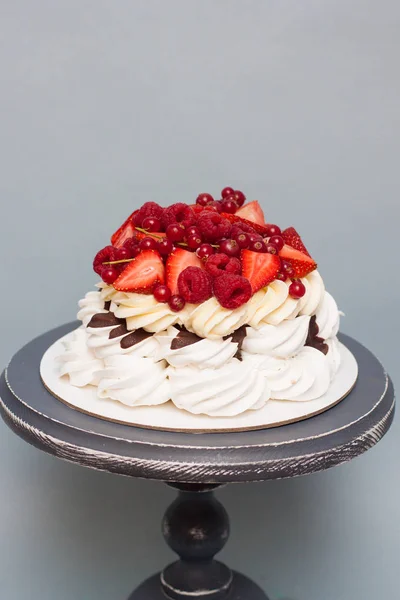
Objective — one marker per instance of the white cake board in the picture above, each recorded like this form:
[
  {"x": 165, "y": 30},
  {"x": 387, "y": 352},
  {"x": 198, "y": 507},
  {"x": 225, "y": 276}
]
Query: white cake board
[{"x": 169, "y": 418}]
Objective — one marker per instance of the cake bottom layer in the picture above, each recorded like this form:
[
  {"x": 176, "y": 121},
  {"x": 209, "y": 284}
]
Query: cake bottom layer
[{"x": 169, "y": 418}]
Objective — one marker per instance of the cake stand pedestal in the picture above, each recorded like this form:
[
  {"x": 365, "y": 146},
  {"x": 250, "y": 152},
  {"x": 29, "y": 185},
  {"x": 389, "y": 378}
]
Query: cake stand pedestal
[{"x": 196, "y": 525}]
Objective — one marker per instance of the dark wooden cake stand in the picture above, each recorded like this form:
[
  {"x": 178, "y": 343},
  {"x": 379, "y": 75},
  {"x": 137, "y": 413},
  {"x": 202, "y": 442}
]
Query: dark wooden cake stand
[{"x": 196, "y": 526}]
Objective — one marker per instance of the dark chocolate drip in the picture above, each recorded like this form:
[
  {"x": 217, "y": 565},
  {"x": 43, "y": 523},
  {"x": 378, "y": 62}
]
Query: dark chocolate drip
[
  {"x": 135, "y": 337},
  {"x": 118, "y": 331},
  {"x": 184, "y": 338},
  {"x": 107, "y": 305},
  {"x": 105, "y": 320},
  {"x": 313, "y": 340},
  {"x": 237, "y": 337}
]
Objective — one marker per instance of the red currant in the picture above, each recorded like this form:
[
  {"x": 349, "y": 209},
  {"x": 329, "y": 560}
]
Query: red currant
[
  {"x": 176, "y": 303},
  {"x": 229, "y": 205},
  {"x": 148, "y": 243},
  {"x": 165, "y": 246},
  {"x": 135, "y": 251},
  {"x": 242, "y": 239},
  {"x": 175, "y": 232},
  {"x": 257, "y": 246},
  {"x": 271, "y": 248},
  {"x": 281, "y": 276},
  {"x": 217, "y": 205},
  {"x": 151, "y": 224},
  {"x": 227, "y": 191},
  {"x": 162, "y": 293},
  {"x": 204, "y": 251},
  {"x": 297, "y": 289},
  {"x": 239, "y": 197},
  {"x": 229, "y": 247},
  {"x": 194, "y": 241},
  {"x": 277, "y": 241},
  {"x": 109, "y": 274},
  {"x": 287, "y": 268},
  {"x": 192, "y": 230},
  {"x": 204, "y": 199},
  {"x": 273, "y": 230},
  {"x": 122, "y": 253},
  {"x": 254, "y": 237}
]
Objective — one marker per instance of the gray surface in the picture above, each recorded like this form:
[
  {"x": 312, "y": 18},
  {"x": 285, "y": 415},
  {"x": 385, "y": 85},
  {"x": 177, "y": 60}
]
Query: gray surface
[{"x": 108, "y": 104}]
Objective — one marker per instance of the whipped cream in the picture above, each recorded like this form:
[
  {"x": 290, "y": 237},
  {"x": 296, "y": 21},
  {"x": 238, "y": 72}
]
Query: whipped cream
[
  {"x": 280, "y": 341},
  {"x": 225, "y": 392},
  {"x": 107, "y": 292},
  {"x": 134, "y": 381},
  {"x": 204, "y": 353},
  {"x": 90, "y": 305},
  {"x": 143, "y": 311},
  {"x": 78, "y": 361},
  {"x": 328, "y": 317},
  {"x": 210, "y": 320}
]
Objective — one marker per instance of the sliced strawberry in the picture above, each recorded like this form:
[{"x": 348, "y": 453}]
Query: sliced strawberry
[
  {"x": 302, "y": 263},
  {"x": 177, "y": 262},
  {"x": 261, "y": 229},
  {"x": 124, "y": 232},
  {"x": 259, "y": 268},
  {"x": 293, "y": 239},
  {"x": 253, "y": 212},
  {"x": 142, "y": 274}
]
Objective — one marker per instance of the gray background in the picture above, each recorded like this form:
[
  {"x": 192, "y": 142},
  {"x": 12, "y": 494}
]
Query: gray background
[{"x": 105, "y": 105}]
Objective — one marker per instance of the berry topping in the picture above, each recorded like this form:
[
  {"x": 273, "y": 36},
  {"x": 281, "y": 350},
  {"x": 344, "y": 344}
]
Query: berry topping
[
  {"x": 286, "y": 269},
  {"x": 175, "y": 232},
  {"x": 192, "y": 230},
  {"x": 162, "y": 293},
  {"x": 242, "y": 239},
  {"x": 271, "y": 248},
  {"x": 252, "y": 212},
  {"x": 165, "y": 247},
  {"x": 277, "y": 241},
  {"x": 204, "y": 199},
  {"x": 107, "y": 254},
  {"x": 109, "y": 274},
  {"x": 149, "y": 209},
  {"x": 218, "y": 264},
  {"x": 195, "y": 285},
  {"x": 227, "y": 191},
  {"x": 204, "y": 251},
  {"x": 302, "y": 264},
  {"x": 151, "y": 224},
  {"x": 178, "y": 213},
  {"x": 125, "y": 232},
  {"x": 281, "y": 276},
  {"x": 257, "y": 246},
  {"x": 142, "y": 274},
  {"x": 245, "y": 224},
  {"x": 239, "y": 197},
  {"x": 194, "y": 241},
  {"x": 273, "y": 230},
  {"x": 213, "y": 226},
  {"x": 297, "y": 289},
  {"x": 259, "y": 268},
  {"x": 148, "y": 243},
  {"x": 232, "y": 291},
  {"x": 292, "y": 238},
  {"x": 177, "y": 261},
  {"x": 122, "y": 253},
  {"x": 228, "y": 205},
  {"x": 176, "y": 303},
  {"x": 229, "y": 247}
]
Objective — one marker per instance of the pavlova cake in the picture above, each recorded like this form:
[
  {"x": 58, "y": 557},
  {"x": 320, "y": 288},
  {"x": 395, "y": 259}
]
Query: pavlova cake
[{"x": 208, "y": 306}]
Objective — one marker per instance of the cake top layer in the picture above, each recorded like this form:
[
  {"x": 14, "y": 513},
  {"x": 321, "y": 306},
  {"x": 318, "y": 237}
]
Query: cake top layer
[{"x": 188, "y": 253}]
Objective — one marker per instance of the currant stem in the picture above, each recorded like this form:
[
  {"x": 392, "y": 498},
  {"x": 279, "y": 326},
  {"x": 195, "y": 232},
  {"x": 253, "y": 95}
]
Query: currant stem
[
  {"x": 118, "y": 262},
  {"x": 149, "y": 233}
]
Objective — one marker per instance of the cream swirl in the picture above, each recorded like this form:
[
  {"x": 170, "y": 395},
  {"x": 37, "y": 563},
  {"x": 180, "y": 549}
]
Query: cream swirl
[
  {"x": 281, "y": 341},
  {"x": 333, "y": 356},
  {"x": 303, "y": 377},
  {"x": 78, "y": 361},
  {"x": 143, "y": 311},
  {"x": 134, "y": 381},
  {"x": 224, "y": 392},
  {"x": 104, "y": 343},
  {"x": 328, "y": 317},
  {"x": 90, "y": 305},
  {"x": 107, "y": 292},
  {"x": 210, "y": 320},
  {"x": 204, "y": 353}
]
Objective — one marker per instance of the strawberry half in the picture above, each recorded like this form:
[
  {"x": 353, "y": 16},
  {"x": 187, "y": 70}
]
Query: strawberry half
[
  {"x": 293, "y": 239},
  {"x": 125, "y": 232},
  {"x": 235, "y": 219},
  {"x": 253, "y": 212},
  {"x": 177, "y": 262},
  {"x": 302, "y": 263},
  {"x": 259, "y": 268},
  {"x": 142, "y": 274}
]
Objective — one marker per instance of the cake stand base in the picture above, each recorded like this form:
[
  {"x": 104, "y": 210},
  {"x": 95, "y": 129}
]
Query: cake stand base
[{"x": 242, "y": 589}]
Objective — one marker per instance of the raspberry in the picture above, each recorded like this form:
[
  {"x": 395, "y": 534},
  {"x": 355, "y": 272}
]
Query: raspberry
[
  {"x": 195, "y": 285},
  {"x": 245, "y": 227},
  {"x": 178, "y": 213},
  {"x": 232, "y": 291},
  {"x": 213, "y": 227},
  {"x": 218, "y": 264},
  {"x": 149, "y": 209},
  {"x": 104, "y": 255}
]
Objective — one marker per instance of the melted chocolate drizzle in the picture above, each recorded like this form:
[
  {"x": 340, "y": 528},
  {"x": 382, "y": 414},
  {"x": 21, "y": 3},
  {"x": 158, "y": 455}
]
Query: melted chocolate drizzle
[
  {"x": 105, "y": 320},
  {"x": 238, "y": 338},
  {"x": 184, "y": 338},
  {"x": 313, "y": 340},
  {"x": 107, "y": 305},
  {"x": 135, "y": 337}
]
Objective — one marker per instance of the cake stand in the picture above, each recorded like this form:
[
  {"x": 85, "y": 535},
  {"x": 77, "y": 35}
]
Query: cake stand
[{"x": 196, "y": 526}]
